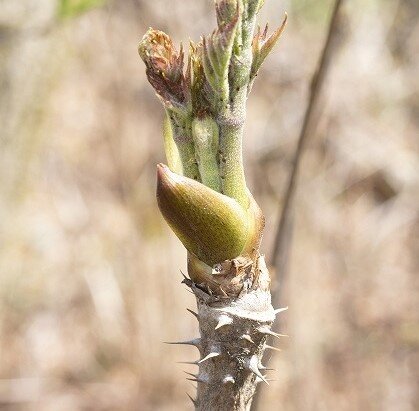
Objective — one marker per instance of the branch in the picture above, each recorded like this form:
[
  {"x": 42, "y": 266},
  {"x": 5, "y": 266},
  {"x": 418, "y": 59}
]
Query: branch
[
  {"x": 283, "y": 238},
  {"x": 317, "y": 83}
]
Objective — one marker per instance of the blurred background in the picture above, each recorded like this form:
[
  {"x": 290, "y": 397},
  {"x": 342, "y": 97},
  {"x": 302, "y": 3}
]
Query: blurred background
[{"x": 90, "y": 273}]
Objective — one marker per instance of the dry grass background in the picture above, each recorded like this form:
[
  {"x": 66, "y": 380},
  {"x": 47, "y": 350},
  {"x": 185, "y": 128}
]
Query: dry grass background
[{"x": 89, "y": 272}]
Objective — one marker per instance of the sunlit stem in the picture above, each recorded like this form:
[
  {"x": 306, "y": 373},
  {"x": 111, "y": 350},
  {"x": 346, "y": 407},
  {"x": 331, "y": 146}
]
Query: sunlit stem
[
  {"x": 206, "y": 139},
  {"x": 182, "y": 136}
]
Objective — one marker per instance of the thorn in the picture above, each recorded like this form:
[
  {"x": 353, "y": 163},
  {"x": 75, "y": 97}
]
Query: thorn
[
  {"x": 264, "y": 329},
  {"x": 280, "y": 310},
  {"x": 269, "y": 347},
  {"x": 210, "y": 355},
  {"x": 223, "y": 292},
  {"x": 195, "y": 342},
  {"x": 191, "y": 374},
  {"x": 194, "y": 380},
  {"x": 197, "y": 379},
  {"x": 184, "y": 276},
  {"x": 193, "y": 313},
  {"x": 247, "y": 337},
  {"x": 223, "y": 320},
  {"x": 262, "y": 367},
  {"x": 266, "y": 380},
  {"x": 194, "y": 401},
  {"x": 228, "y": 378},
  {"x": 252, "y": 365},
  {"x": 261, "y": 377}
]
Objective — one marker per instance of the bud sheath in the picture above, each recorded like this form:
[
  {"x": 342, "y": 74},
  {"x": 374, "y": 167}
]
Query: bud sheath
[{"x": 210, "y": 225}]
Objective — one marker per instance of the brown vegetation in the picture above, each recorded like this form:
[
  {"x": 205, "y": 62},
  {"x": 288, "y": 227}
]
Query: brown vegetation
[{"x": 89, "y": 272}]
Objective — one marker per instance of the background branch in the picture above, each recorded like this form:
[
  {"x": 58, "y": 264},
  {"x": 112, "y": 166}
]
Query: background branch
[
  {"x": 284, "y": 231},
  {"x": 283, "y": 238}
]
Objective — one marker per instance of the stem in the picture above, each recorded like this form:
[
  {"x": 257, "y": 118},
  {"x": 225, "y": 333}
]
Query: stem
[
  {"x": 172, "y": 153},
  {"x": 233, "y": 114},
  {"x": 206, "y": 139},
  {"x": 233, "y": 180},
  {"x": 233, "y": 335},
  {"x": 182, "y": 135}
]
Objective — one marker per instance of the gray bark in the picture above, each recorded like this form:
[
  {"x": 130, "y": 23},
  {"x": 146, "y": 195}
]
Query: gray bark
[{"x": 233, "y": 339}]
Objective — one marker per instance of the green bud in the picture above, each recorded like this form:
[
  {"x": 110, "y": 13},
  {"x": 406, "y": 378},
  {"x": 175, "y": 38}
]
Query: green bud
[{"x": 211, "y": 226}]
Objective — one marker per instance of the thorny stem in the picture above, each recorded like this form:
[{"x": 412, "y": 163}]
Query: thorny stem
[
  {"x": 209, "y": 206},
  {"x": 232, "y": 342}
]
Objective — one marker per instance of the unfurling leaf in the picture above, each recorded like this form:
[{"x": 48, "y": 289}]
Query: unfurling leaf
[
  {"x": 201, "y": 92},
  {"x": 217, "y": 51},
  {"x": 164, "y": 67},
  {"x": 262, "y": 45},
  {"x": 210, "y": 225},
  {"x": 225, "y": 11}
]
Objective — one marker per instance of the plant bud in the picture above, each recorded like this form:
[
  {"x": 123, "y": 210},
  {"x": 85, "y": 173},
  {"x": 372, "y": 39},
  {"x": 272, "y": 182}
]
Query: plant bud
[
  {"x": 164, "y": 67},
  {"x": 210, "y": 225}
]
